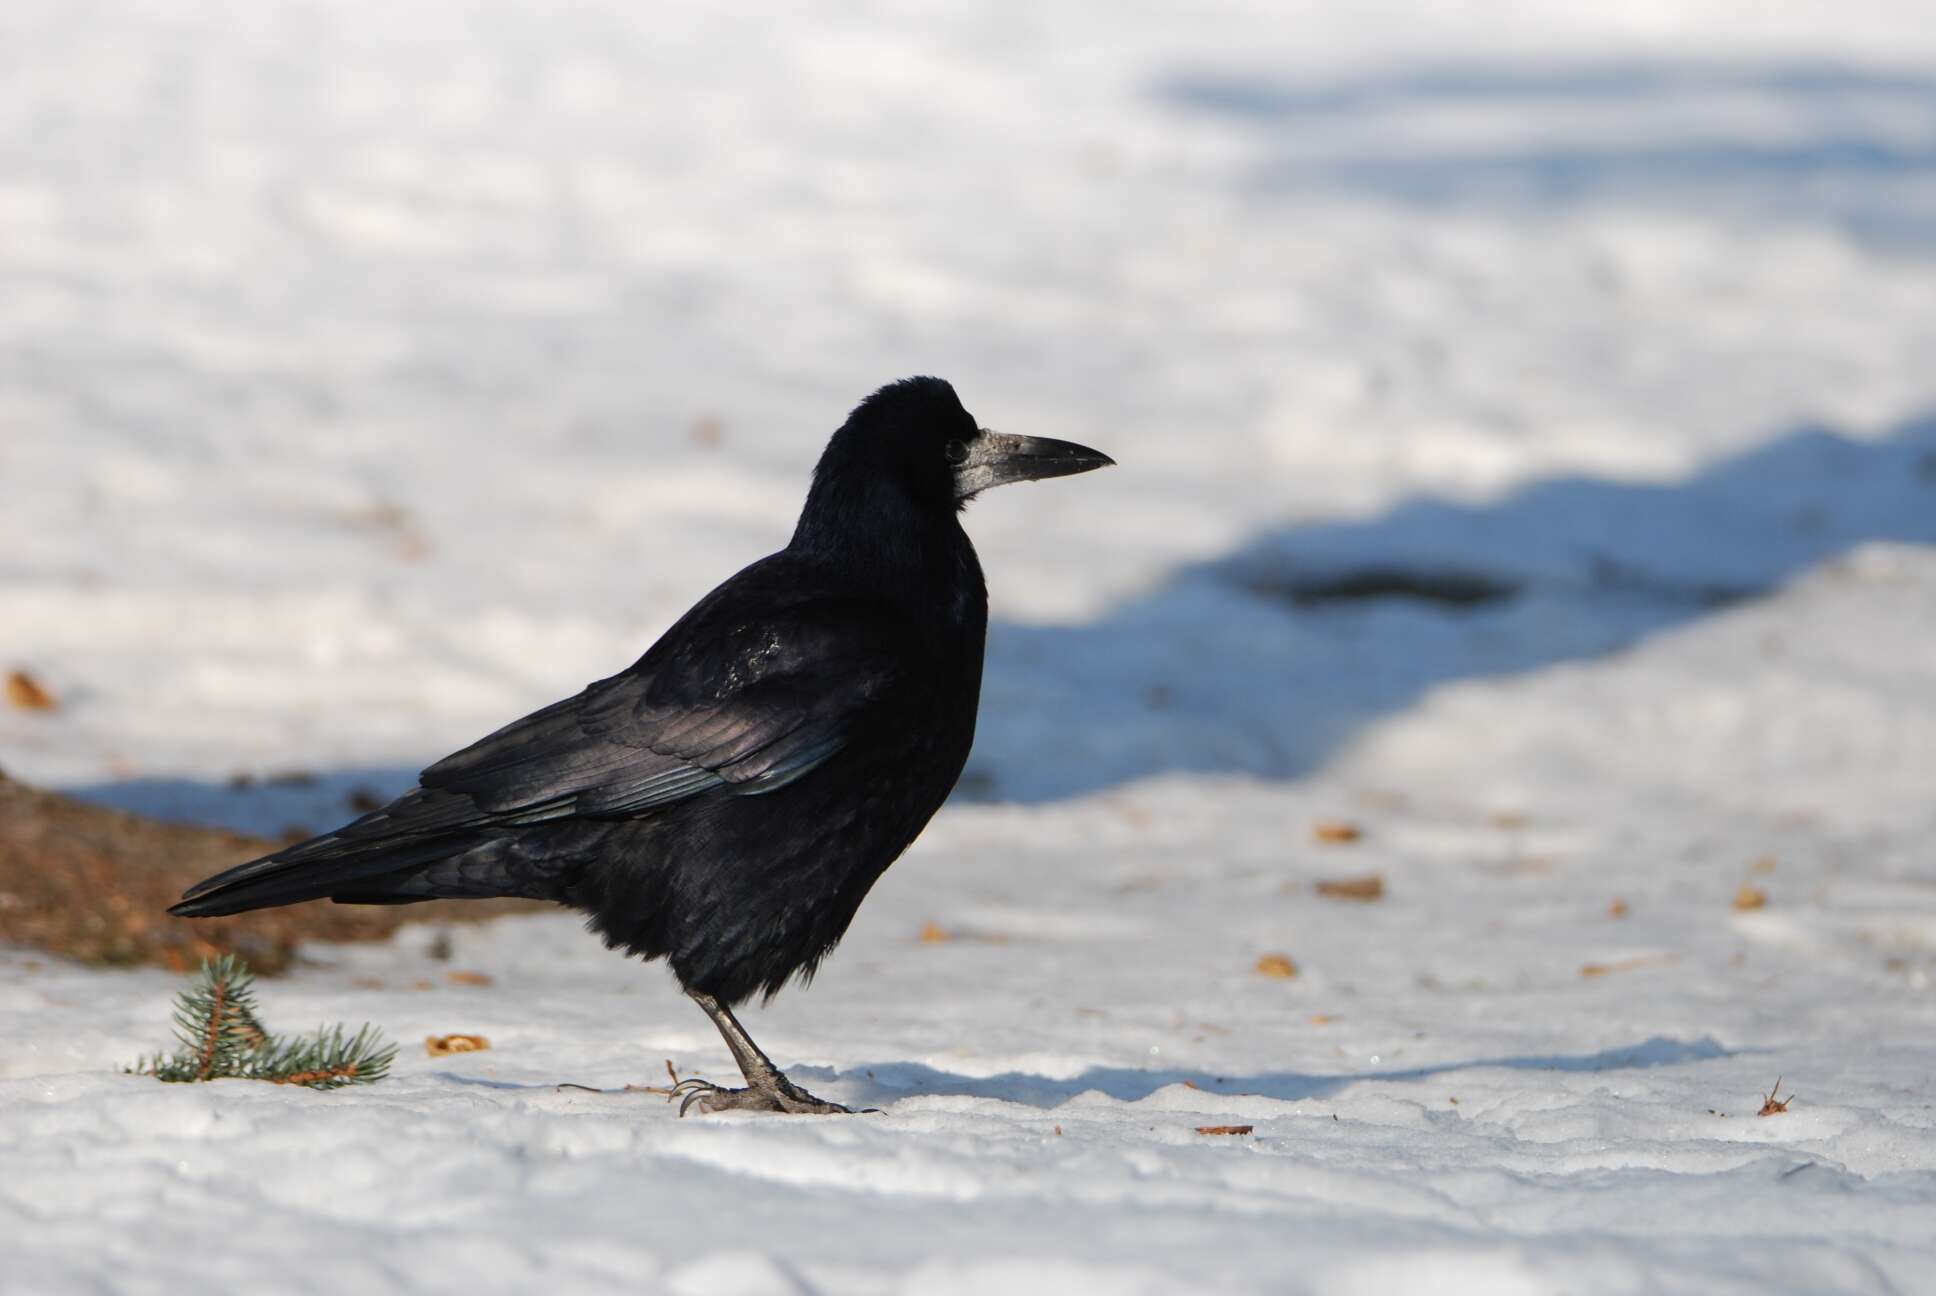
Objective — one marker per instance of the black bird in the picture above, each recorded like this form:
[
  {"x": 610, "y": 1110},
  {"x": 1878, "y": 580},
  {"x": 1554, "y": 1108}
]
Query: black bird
[{"x": 727, "y": 800}]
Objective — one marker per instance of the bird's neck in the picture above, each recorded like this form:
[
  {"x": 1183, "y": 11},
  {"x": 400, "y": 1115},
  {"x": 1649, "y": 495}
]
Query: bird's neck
[{"x": 878, "y": 538}]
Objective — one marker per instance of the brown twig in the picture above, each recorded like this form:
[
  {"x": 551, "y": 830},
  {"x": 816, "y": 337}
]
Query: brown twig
[
  {"x": 345, "y": 1072},
  {"x": 655, "y": 1089},
  {"x": 213, "y": 1033},
  {"x": 669, "y": 1091}
]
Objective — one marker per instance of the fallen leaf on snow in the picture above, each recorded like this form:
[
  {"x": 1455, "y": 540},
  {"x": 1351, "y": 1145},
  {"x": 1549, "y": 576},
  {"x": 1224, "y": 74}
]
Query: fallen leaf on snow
[
  {"x": 1750, "y": 896},
  {"x": 1336, "y": 830},
  {"x": 1225, "y": 1129},
  {"x": 1276, "y": 965},
  {"x": 445, "y": 1045},
  {"x": 27, "y": 693},
  {"x": 467, "y": 978},
  {"x": 1623, "y": 965},
  {"x": 1362, "y": 889}
]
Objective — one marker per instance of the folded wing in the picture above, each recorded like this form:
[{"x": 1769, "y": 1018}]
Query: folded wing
[{"x": 722, "y": 705}]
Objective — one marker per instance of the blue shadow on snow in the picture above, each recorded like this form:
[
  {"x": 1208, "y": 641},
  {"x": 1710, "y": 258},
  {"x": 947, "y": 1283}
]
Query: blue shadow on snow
[{"x": 1265, "y": 661}]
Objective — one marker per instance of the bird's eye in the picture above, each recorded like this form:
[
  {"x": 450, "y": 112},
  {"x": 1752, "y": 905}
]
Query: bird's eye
[{"x": 957, "y": 453}]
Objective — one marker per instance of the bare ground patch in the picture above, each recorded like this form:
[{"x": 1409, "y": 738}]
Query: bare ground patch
[{"x": 94, "y": 884}]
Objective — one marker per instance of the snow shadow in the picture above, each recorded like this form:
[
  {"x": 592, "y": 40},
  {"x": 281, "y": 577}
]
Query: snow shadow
[
  {"x": 1266, "y": 661},
  {"x": 887, "y": 1082},
  {"x": 293, "y": 804},
  {"x": 1837, "y": 143}
]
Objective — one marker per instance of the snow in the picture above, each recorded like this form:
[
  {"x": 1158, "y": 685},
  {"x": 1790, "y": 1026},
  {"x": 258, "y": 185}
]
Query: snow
[{"x": 372, "y": 374}]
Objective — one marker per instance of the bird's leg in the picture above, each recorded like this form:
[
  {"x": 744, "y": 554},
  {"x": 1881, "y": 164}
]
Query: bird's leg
[{"x": 766, "y": 1088}]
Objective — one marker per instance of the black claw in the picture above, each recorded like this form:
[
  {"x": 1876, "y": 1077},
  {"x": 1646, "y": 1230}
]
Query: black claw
[
  {"x": 690, "y": 1091},
  {"x": 784, "y": 1098}
]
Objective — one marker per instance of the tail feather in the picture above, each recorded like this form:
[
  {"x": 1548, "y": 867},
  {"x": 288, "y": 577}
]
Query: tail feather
[
  {"x": 308, "y": 872},
  {"x": 374, "y": 856},
  {"x": 426, "y": 845}
]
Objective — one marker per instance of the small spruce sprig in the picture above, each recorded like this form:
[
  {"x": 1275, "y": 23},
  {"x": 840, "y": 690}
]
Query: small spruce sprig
[{"x": 220, "y": 1038}]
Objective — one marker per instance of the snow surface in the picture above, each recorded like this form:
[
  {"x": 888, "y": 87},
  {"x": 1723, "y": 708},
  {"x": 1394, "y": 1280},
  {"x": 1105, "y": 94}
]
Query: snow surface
[{"x": 370, "y": 374}]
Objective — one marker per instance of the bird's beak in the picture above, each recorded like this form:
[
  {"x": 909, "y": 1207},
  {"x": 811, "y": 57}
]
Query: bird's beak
[{"x": 996, "y": 458}]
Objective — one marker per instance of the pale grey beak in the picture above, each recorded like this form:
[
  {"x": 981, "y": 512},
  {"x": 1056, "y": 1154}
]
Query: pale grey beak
[{"x": 996, "y": 458}]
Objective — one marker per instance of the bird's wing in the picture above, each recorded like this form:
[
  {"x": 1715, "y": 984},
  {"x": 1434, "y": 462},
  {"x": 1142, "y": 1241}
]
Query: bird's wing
[
  {"x": 744, "y": 704},
  {"x": 729, "y": 700}
]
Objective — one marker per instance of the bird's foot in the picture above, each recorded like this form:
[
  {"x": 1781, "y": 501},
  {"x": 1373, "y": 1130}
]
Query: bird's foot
[{"x": 780, "y": 1095}]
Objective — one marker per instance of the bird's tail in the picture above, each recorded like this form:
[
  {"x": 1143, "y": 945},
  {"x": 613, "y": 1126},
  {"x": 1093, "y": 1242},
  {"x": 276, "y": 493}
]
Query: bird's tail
[
  {"x": 390, "y": 856},
  {"x": 352, "y": 876}
]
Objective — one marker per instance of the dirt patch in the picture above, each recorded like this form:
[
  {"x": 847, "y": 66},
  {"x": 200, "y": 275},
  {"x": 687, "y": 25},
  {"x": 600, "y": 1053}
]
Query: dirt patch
[
  {"x": 1445, "y": 587},
  {"x": 94, "y": 884}
]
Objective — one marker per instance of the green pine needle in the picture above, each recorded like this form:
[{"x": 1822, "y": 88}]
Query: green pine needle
[
  {"x": 326, "y": 1060},
  {"x": 220, "y": 1037}
]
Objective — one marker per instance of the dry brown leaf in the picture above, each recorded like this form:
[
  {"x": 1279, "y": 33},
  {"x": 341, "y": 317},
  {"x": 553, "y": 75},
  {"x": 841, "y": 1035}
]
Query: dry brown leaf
[
  {"x": 27, "y": 693},
  {"x": 467, "y": 978},
  {"x": 445, "y": 1045},
  {"x": 1361, "y": 889},
  {"x": 1322, "y": 1019},
  {"x": 1750, "y": 896},
  {"x": 933, "y": 933},
  {"x": 1336, "y": 830},
  {"x": 1225, "y": 1129},
  {"x": 1622, "y": 965},
  {"x": 1522, "y": 866},
  {"x": 1276, "y": 965},
  {"x": 1618, "y": 909}
]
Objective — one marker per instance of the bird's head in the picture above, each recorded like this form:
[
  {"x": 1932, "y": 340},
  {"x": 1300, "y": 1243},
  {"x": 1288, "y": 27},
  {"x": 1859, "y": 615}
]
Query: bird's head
[{"x": 916, "y": 433}]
